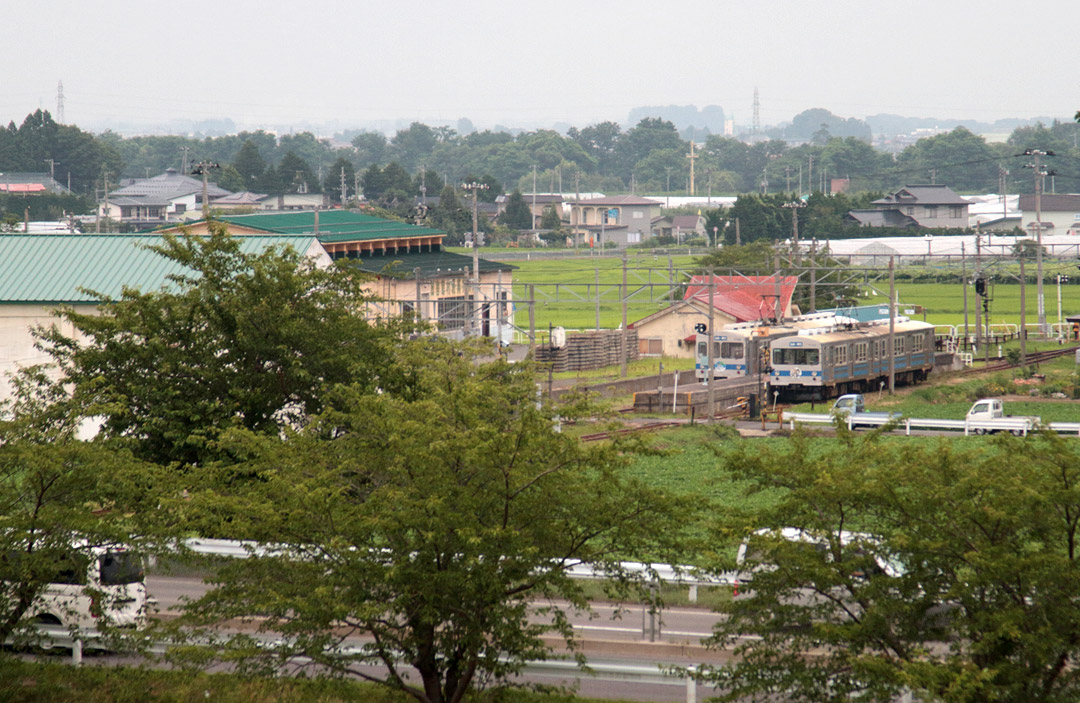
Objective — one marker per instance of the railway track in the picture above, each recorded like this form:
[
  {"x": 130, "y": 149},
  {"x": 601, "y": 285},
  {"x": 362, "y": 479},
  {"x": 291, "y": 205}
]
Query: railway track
[
  {"x": 1033, "y": 358},
  {"x": 727, "y": 414}
]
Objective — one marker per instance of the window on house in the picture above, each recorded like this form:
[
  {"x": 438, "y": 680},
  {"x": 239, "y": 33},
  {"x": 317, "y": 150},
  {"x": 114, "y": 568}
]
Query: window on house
[
  {"x": 956, "y": 211},
  {"x": 633, "y": 237},
  {"x": 931, "y": 210},
  {"x": 909, "y": 211},
  {"x": 638, "y": 214}
]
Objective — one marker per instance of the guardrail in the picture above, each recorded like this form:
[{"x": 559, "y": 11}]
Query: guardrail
[
  {"x": 1021, "y": 426},
  {"x": 664, "y": 573},
  {"x": 661, "y": 674}
]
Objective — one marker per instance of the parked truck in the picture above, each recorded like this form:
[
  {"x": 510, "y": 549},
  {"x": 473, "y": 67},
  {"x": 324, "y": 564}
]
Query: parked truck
[
  {"x": 987, "y": 416},
  {"x": 852, "y": 407}
]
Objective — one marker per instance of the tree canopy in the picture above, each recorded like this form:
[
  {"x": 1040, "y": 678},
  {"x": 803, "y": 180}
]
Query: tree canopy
[
  {"x": 947, "y": 570},
  {"x": 432, "y": 522},
  {"x": 238, "y": 339}
]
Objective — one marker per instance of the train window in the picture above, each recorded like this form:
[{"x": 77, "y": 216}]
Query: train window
[
  {"x": 716, "y": 350},
  {"x": 861, "y": 350},
  {"x": 918, "y": 342},
  {"x": 731, "y": 350},
  {"x": 898, "y": 346},
  {"x": 841, "y": 355},
  {"x": 797, "y": 357},
  {"x": 702, "y": 350}
]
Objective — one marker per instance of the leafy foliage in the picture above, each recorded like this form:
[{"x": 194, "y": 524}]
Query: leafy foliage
[
  {"x": 238, "y": 339},
  {"x": 948, "y": 571},
  {"x": 429, "y": 521}
]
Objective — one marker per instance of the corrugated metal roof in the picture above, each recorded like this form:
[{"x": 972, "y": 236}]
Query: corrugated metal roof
[
  {"x": 429, "y": 263},
  {"x": 334, "y": 225},
  {"x": 51, "y": 268}
]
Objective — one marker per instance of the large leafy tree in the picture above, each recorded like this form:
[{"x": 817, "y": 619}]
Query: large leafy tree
[
  {"x": 432, "y": 525},
  {"x": 948, "y": 571},
  {"x": 238, "y": 338}
]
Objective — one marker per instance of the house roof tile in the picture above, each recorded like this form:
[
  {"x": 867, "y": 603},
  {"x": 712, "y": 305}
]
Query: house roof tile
[{"x": 746, "y": 298}]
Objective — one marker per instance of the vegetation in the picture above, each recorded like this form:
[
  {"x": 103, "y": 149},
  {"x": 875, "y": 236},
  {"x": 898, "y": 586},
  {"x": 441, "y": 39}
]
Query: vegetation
[
  {"x": 958, "y": 583},
  {"x": 431, "y": 522}
]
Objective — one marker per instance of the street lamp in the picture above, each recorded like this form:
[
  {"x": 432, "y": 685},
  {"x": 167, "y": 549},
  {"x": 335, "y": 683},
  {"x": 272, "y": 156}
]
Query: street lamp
[{"x": 475, "y": 187}]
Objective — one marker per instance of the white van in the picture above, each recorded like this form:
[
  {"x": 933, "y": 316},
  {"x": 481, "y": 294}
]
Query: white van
[{"x": 100, "y": 585}]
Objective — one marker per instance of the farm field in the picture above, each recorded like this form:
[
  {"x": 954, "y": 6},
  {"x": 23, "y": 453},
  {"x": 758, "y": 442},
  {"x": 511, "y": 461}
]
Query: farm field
[
  {"x": 566, "y": 295},
  {"x": 566, "y": 288}
]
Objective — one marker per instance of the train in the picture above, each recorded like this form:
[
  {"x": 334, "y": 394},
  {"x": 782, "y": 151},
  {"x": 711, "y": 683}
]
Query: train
[
  {"x": 819, "y": 356},
  {"x": 741, "y": 349},
  {"x": 824, "y": 363}
]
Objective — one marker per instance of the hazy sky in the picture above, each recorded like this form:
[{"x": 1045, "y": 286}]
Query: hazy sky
[{"x": 522, "y": 62}]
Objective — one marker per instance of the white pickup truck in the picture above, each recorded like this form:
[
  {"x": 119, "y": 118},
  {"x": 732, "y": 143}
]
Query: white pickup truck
[{"x": 987, "y": 416}]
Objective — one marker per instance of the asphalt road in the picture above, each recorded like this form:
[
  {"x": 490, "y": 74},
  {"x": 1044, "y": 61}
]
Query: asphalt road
[{"x": 613, "y": 637}]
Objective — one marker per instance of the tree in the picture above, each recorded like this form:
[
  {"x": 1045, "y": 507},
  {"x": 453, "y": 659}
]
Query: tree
[
  {"x": 332, "y": 184},
  {"x": 650, "y": 134},
  {"x": 250, "y": 165},
  {"x": 948, "y": 571},
  {"x": 517, "y": 214},
  {"x": 239, "y": 338},
  {"x": 297, "y": 174},
  {"x": 432, "y": 523},
  {"x": 371, "y": 148},
  {"x": 231, "y": 180},
  {"x": 60, "y": 498}
]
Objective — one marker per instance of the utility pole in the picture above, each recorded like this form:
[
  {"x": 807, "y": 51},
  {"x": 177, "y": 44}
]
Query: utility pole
[
  {"x": 597, "y": 271},
  {"x": 980, "y": 289},
  {"x": 813, "y": 275},
  {"x": 810, "y": 173},
  {"x": 183, "y": 161},
  {"x": 1040, "y": 172},
  {"x": 738, "y": 239},
  {"x": 343, "y": 191},
  {"x": 1023, "y": 312},
  {"x": 203, "y": 169},
  {"x": 778, "y": 290},
  {"x": 667, "y": 190},
  {"x": 52, "y": 168},
  {"x": 622, "y": 346},
  {"x": 532, "y": 213},
  {"x": 794, "y": 207},
  {"x": 964, "y": 281},
  {"x": 475, "y": 187},
  {"x": 891, "y": 344},
  {"x": 692, "y": 157},
  {"x": 712, "y": 335}
]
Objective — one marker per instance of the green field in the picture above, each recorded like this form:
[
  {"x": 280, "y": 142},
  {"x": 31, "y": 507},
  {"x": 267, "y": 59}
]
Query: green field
[
  {"x": 566, "y": 288},
  {"x": 566, "y": 293}
]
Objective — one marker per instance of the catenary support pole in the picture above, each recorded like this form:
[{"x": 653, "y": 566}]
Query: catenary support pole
[{"x": 891, "y": 345}]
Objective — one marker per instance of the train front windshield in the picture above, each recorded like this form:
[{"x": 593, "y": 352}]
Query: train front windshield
[
  {"x": 118, "y": 568},
  {"x": 796, "y": 357}
]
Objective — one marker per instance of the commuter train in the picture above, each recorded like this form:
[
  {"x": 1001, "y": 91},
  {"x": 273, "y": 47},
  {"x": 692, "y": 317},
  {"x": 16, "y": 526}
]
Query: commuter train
[
  {"x": 741, "y": 349},
  {"x": 823, "y": 363}
]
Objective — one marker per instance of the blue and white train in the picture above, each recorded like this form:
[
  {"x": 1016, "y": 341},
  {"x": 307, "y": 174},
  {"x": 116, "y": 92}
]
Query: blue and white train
[
  {"x": 815, "y": 364},
  {"x": 741, "y": 349}
]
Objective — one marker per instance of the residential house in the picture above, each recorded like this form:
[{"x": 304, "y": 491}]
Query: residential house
[
  {"x": 1058, "y": 212},
  {"x": 150, "y": 202},
  {"x": 410, "y": 269},
  {"x": 679, "y": 227},
  {"x": 538, "y": 203},
  {"x": 915, "y": 206},
  {"x": 671, "y": 331},
  {"x": 622, "y": 219}
]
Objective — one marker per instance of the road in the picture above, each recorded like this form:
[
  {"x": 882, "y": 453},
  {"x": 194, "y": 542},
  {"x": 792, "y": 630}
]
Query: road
[{"x": 615, "y": 637}]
